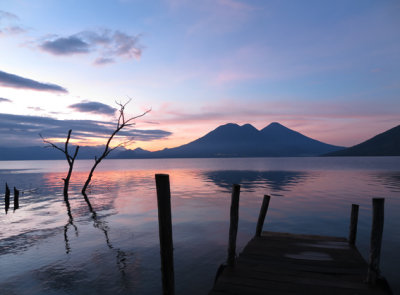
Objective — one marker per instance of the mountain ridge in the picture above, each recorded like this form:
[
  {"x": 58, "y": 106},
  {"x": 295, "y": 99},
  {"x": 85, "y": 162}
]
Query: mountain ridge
[
  {"x": 233, "y": 140},
  {"x": 386, "y": 143}
]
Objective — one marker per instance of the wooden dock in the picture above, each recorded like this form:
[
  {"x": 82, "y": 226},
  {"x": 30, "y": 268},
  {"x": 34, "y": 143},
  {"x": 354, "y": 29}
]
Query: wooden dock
[{"x": 281, "y": 263}]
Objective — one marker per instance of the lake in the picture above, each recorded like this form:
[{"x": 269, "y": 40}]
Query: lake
[{"x": 46, "y": 249}]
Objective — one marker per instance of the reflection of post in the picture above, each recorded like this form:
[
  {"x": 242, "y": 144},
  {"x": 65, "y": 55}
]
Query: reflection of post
[
  {"x": 165, "y": 232},
  {"x": 233, "y": 227},
  {"x": 7, "y": 198},
  {"x": 353, "y": 224},
  {"x": 16, "y": 198},
  {"x": 261, "y": 217},
  {"x": 376, "y": 240}
]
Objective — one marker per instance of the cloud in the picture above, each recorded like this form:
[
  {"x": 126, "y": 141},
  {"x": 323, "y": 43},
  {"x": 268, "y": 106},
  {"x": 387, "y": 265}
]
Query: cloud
[
  {"x": 103, "y": 61},
  {"x": 93, "y": 107},
  {"x": 106, "y": 43},
  {"x": 14, "y": 81},
  {"x": 36, "y": 109},
  {"x": 4, "y": 15},
  {"x": 125, "y": 45},
  {"x": 23, "y": 130},
  {"x": 9, "y": 23},
  {"x": 2, "y": 99},
  {"x": 66, "y": 46},
  {"x": 13, "y": 30}
]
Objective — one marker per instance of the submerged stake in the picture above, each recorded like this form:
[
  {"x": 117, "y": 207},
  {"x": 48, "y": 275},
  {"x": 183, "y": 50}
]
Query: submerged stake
[
  {"x": 233, "y": 226},
  {"x": 165, "y": 231},
  {"x": 7, "y": 198},
  {"x": 16, "y": 198}
]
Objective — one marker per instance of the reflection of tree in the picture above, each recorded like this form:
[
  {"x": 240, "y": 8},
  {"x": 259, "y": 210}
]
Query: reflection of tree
[
  {"x": 66, "y": 226},
  {"x": 88, "y": 203},
  {"x": 275, "y": 180},
  {"x": 120, "y": 254},
  {"x": 101, "y": 225}
]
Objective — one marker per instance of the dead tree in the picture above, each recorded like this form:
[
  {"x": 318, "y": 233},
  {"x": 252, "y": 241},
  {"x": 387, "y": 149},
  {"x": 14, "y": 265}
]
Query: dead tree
[
  {"x": 122, "y": 123},
  {"x": 70, "y": 160}
]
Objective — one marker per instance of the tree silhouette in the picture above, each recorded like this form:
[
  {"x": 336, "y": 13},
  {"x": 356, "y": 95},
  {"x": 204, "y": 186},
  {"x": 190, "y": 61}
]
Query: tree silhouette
[
  {"x": 122, "y": 123},
  {"x": 70, "y": 159}
]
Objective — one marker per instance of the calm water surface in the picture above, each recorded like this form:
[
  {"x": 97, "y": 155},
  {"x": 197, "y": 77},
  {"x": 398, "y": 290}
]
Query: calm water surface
[{"x": 46, "y": 250}]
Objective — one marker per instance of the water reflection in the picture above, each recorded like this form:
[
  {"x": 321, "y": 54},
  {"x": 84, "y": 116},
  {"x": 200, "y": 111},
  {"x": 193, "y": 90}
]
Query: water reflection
[
  {"x": 276, "y": 181},
  {"x": 108, "y": 242},
  {"x": 66, "y": 226},
  {"x": 100, "y": 224},
  {"x": 390, "y": 179}
]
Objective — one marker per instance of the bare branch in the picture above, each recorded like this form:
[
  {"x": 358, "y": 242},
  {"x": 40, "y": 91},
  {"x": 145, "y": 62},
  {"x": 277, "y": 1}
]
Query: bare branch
[
  {"x": 66, "y": 147},
  {"x": 122, "y": 122},
  {"x": 70, "y": 159},
  {"x": 50, "y": 144}
]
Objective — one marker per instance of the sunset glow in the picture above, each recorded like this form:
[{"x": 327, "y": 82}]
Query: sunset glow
[{"x": 328, "y": 70}]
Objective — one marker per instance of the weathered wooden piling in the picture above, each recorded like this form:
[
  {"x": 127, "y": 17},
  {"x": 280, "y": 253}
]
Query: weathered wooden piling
[
  {"x": 284, "y": 263},
  {"x": 376, "y": 240},
  {"x": 233, "y": 226},
  {"x": 353, "y": 224},
  {"x": 165, "y": 232},
  {"x": 7, "y": 198},
  {"x": 261, "y": 217},
  {"x": 16, "y": 198}
]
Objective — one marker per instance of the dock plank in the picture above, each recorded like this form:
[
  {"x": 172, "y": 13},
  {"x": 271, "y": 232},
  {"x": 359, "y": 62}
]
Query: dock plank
[{"x": 283, "y": 263}]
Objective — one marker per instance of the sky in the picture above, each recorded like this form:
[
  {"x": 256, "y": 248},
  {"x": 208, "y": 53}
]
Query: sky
[{"x": 328, "y": 69}]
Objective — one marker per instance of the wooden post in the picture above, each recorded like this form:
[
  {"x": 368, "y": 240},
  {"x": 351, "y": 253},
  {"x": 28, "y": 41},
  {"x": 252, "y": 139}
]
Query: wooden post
[
  {"x": 7, "y": 198},
  {"x": 233, "y": 227},
  {"x": 353, "y": 224},
  {"x": 261, "y": 217},
  {"x": 376, "y": 240},
  {"x": 16, "y": 198},
  {"x": 165, "y": 232}
]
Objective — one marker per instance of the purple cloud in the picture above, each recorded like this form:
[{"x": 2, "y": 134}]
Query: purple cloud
[
  {"x": 11, "y": 27},
  {"x": 66, "y": 46},
  {"x": 2, "y": 99},
  {"x": 125, "y": 45},
  {"x": 4, "y": 15},
  {"x": 14, "y": 81},
  {"x": 93, "y": 107},
  {"x": 103, "y": 61},
  {"x": 23, "y": 130},
  {"x": 13, "y": 30},
  {"x": 108, "y": 44}
]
